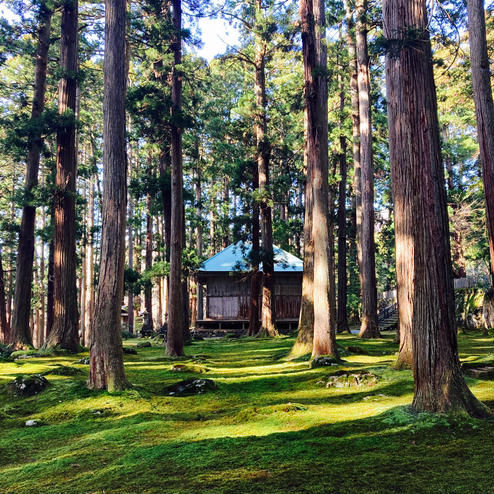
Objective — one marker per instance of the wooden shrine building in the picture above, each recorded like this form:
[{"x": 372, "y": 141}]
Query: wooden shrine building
[{"x": 225, "y": 283}]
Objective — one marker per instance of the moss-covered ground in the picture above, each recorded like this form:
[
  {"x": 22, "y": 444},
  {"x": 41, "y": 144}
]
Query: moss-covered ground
[{"x": 272, "y": 426}]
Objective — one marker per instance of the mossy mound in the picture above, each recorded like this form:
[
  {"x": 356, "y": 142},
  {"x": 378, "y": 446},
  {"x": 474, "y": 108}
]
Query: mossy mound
[
  {"x": 28, "y": 385},
  {"x": 325, "y": 361},
  {"x": 64, "y": 370},
  {"x": 191, "y": 387},
  {"x": 344, "y": 379}
]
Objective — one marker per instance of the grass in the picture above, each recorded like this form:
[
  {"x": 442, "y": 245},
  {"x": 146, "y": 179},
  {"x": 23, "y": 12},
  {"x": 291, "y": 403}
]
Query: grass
[{"x": 272, "y": 426}]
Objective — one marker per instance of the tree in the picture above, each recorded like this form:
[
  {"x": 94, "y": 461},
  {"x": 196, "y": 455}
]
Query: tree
[
  {"x": 316, "y": 94},
  {"x": 420, "y": 211},
  {"x": 263, "y": 152},
  {"x": 106, "y": 370},
  {"x": 20, "y": 331},
  {"x": 484, "y": 109},
  {"x": 369, "y": 326},
  {"x": 175, "y": 340},
  {"x": 64, "y": 332}
]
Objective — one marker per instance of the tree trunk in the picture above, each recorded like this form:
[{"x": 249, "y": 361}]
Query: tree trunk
[
  {"x": 305, "y": 336},
  {"x": 4, "y": 327},
  {"x": 342, "y": 323},
  {"x": 175, "y": 340},
  {"x": 316, "y": 94},
  {"x": 263, "y": 154},
  {"x": 50, "y": 289},
  {"x": 199, "y": 243},
  {"x": 420, "y": 211},
  {"x": 106, "y": 370},
  {"x": 484, "y": 109},
  {"x": 65, "y": 323},
  {"x": 148, "y": 289},
  {"x": 255, "y": 275},
  {"x": 20, "y": 332},
  {"x": 369, "y": 326}
]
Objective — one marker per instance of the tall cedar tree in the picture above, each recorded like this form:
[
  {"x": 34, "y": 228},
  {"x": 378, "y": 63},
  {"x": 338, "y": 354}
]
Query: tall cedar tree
[
  {"x": 4, "y": 326},
  {"x": 64, "y": 332},
  {"x": 106, "y": 370},
  {"x": 255, "y": 275},
  {"x": 316, "y": 93},
  {"x": 420, "y": 210},
  {"x": 175, "y": 340},
  {"x": 305, "y": 334},
  {"x": 484, "y": 109},
  {"x": 369, "y": 327},
  {"x": 20, "y": 331},
  {"x": 263, "y": 151}
]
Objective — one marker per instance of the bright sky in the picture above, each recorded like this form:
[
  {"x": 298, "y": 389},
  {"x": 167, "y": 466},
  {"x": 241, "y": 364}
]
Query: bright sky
[{"x": 217, "y": 35}]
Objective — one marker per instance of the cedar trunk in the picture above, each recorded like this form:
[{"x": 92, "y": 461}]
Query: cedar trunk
[
  {"x": 175, "y": 340},
  {"x": 4, "y": 327},
  {"x": 369, "y": 326},
  {"x": 263, "y": 154},
  {"x": 316, "y": 93},
  {"x": 305, "y": 335},
  {"x": 106, "y": 369},
  {"x": 20, "y": 332},
  {"x": 420, "y": 211},
  {"x": 254, "y": 277},
  {"x": 64, "y": 332},
  {"x": 342, "y": 322},
  {"x": 484, "y": 109}
]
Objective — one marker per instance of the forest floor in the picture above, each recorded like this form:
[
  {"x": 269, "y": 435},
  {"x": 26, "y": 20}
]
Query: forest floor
[{"x": 272, "y": 426}]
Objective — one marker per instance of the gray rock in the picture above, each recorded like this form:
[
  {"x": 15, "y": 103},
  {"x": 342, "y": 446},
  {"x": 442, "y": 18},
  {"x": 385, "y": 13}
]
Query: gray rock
[
  {"x": 83, "y": 361},
  {"x": 324, "y": 361},
  {"x": 191, "y": 387},
  {"x": 345, "y": 379},
  {"x": 28, "y": 385},
  {"x": 32, "y": 423}
]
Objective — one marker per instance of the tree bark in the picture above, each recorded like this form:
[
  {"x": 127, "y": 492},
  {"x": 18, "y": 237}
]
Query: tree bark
[
  {"x": 420, "y": 211},
  {"x": 148, "y": 289},
  {"x": 255, "y": 275},
  {"x": 65, "y": 323},
  {"x": 342, "y": 322},
  {"x": 175, "y": 340},
  {"x": 305, "y": 336},
  {"x": 369, "y": 326},
  {"x": 20, "y": 332},
  {"x": 4, "y": 327},
  {"x": 106, "y": 369},
  {"x": 484, "y": 109},
  {"x": 263, "y": 154},
  {"x": 199, "y": 243},
  {"x": 316, "y": 94}
]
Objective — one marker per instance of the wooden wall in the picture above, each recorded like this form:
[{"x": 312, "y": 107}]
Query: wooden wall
[{"x": 228, "y": 297}]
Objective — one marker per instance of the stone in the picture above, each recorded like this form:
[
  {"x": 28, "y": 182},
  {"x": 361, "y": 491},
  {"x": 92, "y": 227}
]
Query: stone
[
  {"x": 129, "y": 351},
  {"x": 64, "y": 370},
  {"x": 191, "y": 387},
  {"x": 28, "y": 356},
  {"x": 32, "y": 423},
  {"x": 28, "y": 385},
  {"x": 324, "y": 361},
  {"x": 344, "y": 379},
  {"x": 144, "y": 344},
  {"x": 83, "y": 361}
]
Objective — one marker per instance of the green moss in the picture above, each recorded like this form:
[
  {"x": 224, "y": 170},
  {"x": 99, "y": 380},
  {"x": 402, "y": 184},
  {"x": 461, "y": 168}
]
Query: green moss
[{"x": 272, "y": 426}]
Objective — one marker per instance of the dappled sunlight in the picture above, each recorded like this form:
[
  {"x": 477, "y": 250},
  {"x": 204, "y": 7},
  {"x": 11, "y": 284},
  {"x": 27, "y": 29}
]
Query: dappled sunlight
[{"x": 262, "y": 401}]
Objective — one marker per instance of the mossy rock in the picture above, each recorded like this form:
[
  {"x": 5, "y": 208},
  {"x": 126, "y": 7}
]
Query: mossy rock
[
  {"x": 324, "y": 361},
  {"x": 82, "y": 361},
  {"x": 144, "y": 344},
  {"x": 28, "y": 385},
  {"x": 129, "y": 351},
  {"x": 344, "y": 379},
  {"x": 25, "y": 354},
  {"x": 478, "y": 370},
  {"x": 191, "y": 387},
  {"x": 64, "y": 370},
  {"x": 188, "y": 368}
]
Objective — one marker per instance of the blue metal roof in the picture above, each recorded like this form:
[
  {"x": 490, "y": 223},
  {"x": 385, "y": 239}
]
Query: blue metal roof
[{"x": 235, "y": 258}]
